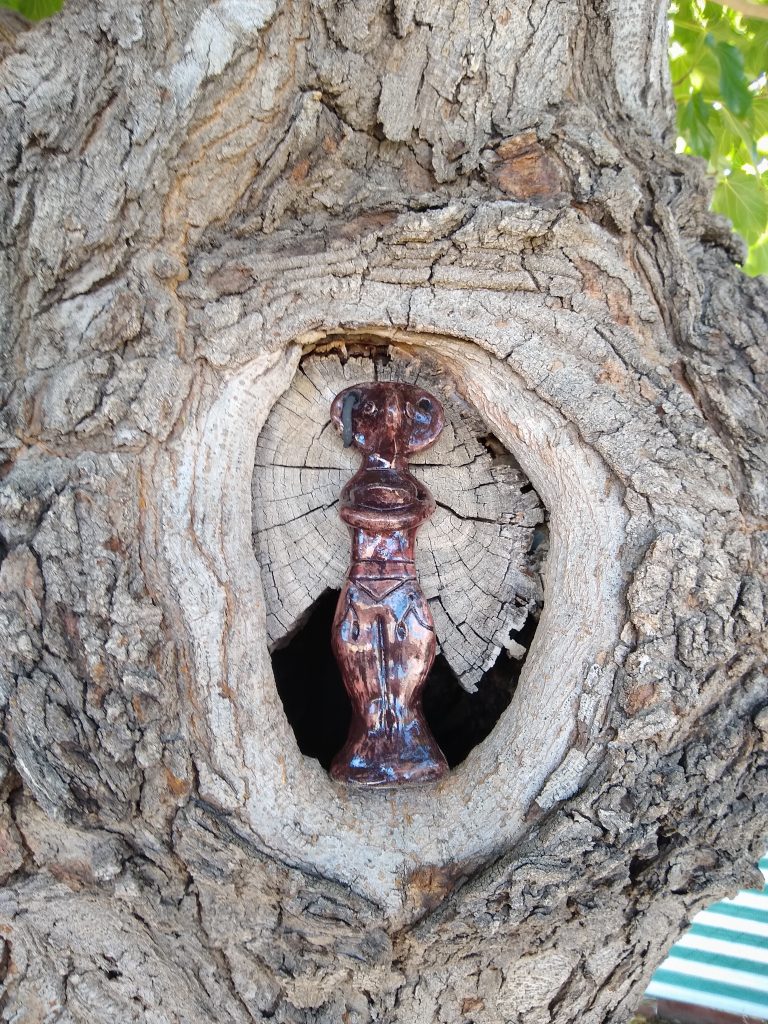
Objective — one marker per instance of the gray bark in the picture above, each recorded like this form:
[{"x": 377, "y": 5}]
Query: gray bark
[{"x": 196, "y": 196}]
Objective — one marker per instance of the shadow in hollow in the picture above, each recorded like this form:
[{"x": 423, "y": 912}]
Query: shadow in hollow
[{"x": 317, "y": 707}]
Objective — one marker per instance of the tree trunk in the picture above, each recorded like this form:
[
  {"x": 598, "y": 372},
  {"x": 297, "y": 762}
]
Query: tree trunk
[{"x": 197, "y": 197}]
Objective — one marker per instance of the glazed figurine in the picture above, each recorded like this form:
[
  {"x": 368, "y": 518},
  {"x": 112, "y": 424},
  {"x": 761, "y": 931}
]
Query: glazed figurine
[{"x": 383, "y": 634}]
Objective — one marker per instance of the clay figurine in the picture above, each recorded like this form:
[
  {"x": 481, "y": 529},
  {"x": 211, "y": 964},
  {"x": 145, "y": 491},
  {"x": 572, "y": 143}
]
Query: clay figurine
[{"x": 383, "y": 633}]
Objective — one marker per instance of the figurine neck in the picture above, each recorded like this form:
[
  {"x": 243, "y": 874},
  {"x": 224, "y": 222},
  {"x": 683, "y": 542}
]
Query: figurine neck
[{"x": 386, "y": 459}]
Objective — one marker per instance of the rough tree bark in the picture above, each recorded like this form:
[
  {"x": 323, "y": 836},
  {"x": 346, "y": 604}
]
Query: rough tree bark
[{"x": 196, "y": 195}]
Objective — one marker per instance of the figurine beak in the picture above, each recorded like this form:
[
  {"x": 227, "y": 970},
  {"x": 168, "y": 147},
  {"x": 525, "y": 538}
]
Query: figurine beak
[{"x": 350, "y": 402}]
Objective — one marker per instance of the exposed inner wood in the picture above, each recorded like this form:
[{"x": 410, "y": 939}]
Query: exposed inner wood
[{"x": 475, "y": 556}]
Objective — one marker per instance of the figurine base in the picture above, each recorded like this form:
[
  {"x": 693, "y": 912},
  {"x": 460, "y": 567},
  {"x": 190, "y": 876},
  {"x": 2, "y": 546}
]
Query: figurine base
[
  {"x": 382, "y": 775},
  {"x": 362, "y": 764}
]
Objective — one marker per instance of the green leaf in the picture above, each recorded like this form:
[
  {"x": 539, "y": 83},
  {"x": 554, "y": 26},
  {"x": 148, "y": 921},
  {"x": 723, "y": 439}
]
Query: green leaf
[
  {"x": 743, "y": 198},
  {"x": 758, "y": 257},
  {"x": 688, "y": 36},
  {"x": 754, "y": 48},
  {"x": 34, "y": 9},
  {"x": 692, "y": 121},
  {"x": 734, "y": 140},
  {"x": 714, "y": 13},
  {"x": 727, "y": 147},
  {"x": 760, "y": 108},
  {"x": 718, "y": 61},
  {"x": 734, "y": 87},
  {"x": 705, "y": 73}
]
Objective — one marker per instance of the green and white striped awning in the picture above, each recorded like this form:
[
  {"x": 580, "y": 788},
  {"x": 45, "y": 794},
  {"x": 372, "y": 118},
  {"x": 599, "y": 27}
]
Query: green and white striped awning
[{"x": 722, "y": 960}]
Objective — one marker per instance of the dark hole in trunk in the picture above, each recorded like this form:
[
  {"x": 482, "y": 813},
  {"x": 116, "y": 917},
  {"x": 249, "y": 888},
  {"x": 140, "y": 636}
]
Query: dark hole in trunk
[
  {"x": 310, "y": 687},
  {"x": 317, "y": 707}
]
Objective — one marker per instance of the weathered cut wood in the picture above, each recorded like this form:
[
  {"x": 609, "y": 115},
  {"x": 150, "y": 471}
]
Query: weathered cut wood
[
  {"x": 475, "y": 555},
  {"x": 194, "y": 198}
]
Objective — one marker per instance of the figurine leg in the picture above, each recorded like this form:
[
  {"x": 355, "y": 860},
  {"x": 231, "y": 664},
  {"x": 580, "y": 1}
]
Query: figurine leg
[{"x": 385, "y": 648}]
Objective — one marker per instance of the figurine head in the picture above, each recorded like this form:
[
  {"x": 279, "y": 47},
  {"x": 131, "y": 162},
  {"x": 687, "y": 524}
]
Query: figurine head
[{"x": 387, "y": 419}]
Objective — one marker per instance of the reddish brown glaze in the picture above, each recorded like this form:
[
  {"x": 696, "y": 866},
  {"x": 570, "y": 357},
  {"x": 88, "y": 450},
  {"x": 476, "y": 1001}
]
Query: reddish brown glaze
[{"x": 383, "y": 634}]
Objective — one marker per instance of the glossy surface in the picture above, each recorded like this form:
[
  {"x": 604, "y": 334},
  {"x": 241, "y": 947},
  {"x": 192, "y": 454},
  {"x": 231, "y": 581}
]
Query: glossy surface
[{"x": 383, "y": 634}]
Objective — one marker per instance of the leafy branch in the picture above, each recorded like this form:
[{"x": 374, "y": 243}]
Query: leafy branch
[{"x": 719, "y": 58}]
